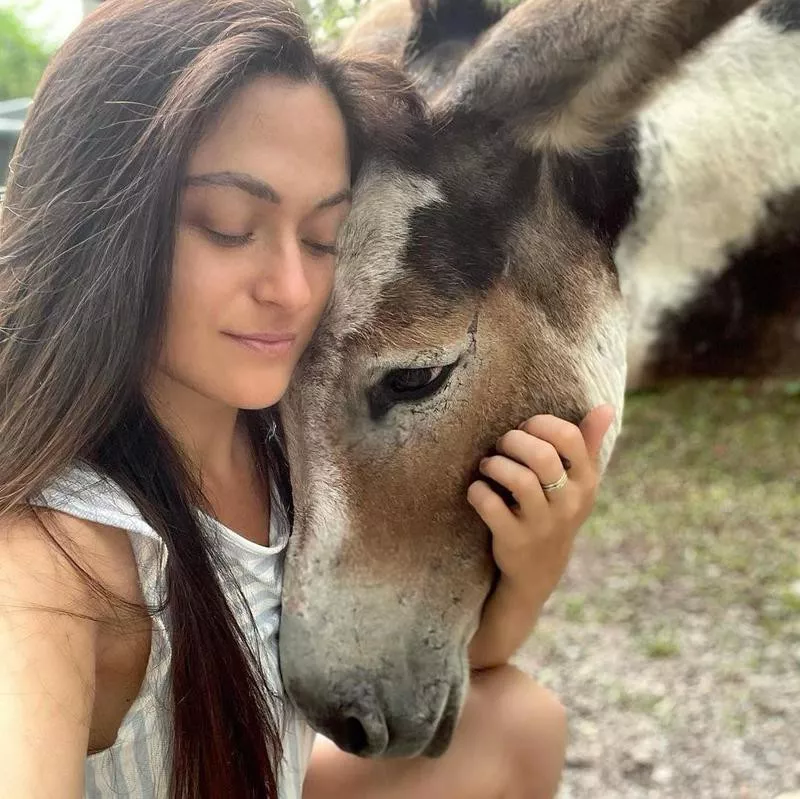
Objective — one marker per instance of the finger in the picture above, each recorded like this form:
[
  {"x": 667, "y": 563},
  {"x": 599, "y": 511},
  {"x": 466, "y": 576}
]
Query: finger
[
  {"x": 523, "y": 483},
  {"x": 540, "y": 456},
  {"x": 491, "y": 508},
  {"x": 565, "y": 437},
  {"x": 594, "y": 427}
]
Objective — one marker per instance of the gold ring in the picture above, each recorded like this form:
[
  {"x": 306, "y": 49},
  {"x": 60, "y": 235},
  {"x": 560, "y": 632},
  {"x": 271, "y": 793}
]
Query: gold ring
[{"x": 560, "y": 483}]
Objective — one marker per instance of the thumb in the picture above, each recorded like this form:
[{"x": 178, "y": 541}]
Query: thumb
[{"x": 594, "y": 427}]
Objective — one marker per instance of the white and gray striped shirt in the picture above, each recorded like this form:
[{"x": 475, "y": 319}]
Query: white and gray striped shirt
[{"x": 137, "y": 765}]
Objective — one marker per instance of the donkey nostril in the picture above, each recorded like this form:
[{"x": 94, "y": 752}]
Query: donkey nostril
[
  {"x": 365, "y": 735},
  {"x": 355, "y": 735}
]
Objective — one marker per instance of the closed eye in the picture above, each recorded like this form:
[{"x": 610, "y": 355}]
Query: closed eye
[
  {"x": 320, "y": 249},
  {"x": 228, "y": 239}
]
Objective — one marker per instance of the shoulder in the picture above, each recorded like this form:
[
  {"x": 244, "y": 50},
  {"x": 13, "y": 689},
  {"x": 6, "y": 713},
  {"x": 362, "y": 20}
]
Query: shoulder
[
  {"x": 39, "y": 552},
  {"x": 54, "y": 560}
]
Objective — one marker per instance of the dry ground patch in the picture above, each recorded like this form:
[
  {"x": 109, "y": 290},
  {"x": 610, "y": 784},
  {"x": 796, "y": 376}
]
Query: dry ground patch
[{"x": 674, "y": 639}]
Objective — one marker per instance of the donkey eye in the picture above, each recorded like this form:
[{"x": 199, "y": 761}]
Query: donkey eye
[
  {"x": 407, "y": 385},
  {"x": 408, "y": 381}
]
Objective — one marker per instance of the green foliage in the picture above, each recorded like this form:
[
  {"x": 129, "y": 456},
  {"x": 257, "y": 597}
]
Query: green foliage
[
  {"x": 328, "y": 19},
  {"x": 23, "y": 57}
]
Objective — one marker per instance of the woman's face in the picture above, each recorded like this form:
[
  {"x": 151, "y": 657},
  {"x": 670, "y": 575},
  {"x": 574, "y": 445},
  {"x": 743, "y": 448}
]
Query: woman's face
[{"x": 264, "y": 196}]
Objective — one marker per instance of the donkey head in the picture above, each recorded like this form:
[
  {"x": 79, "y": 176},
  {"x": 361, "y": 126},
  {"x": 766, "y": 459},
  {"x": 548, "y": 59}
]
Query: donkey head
[{"x": 474, "y": 289}]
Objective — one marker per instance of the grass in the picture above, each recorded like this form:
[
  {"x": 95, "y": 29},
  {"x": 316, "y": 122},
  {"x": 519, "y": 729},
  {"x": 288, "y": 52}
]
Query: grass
[
  {"x": 701, "y": 505},
  {"x": 662, "y": 644},
  {"x": 678, "y": 621}
]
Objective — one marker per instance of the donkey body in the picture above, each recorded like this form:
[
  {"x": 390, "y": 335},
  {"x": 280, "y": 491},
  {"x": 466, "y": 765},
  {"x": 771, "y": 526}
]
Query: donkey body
[
  {"x": 701, "y": 192},
  {"x": 475, "y": 287}
]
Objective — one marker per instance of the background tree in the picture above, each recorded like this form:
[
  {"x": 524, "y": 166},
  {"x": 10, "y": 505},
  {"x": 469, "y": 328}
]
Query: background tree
[
  {"x": 23, "y": 56},
  {"x": 330, "y": 18}
]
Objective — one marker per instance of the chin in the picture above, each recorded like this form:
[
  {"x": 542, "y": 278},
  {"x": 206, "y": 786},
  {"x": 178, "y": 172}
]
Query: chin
[
  {"x": 249, "y": 399},
  {"x": 252, "y": 401},
  {"x": 250, "y": 389}
]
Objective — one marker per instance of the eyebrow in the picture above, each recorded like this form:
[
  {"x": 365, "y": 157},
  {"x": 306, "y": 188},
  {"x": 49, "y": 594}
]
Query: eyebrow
[{"x": 259, "y": 188}]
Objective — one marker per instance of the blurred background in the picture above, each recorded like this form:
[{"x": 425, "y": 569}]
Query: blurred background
[{"x": 674, "y": 640}]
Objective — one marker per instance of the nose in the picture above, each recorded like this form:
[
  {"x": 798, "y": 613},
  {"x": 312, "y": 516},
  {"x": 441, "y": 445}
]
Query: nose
[
  {"x": 359, "y": 722},
  {"x": 368, "y": 716},
  {"x": 347, "y": 711},
  {"x": 283, "y": 281},
  {"x": 389, "y": 698},
  {"x": 360, "y": 730}
]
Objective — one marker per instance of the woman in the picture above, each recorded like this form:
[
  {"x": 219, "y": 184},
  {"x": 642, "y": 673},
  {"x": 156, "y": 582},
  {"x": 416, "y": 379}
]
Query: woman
[{"x": 173, "y": 208}]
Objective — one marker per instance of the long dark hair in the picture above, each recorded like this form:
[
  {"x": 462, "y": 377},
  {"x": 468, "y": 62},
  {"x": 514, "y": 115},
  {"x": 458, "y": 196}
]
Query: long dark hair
[{"x": 86, "y": 246}]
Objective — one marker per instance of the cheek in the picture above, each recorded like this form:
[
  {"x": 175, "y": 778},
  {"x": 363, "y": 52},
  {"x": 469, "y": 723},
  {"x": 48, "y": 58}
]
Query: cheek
[{"x": 199, "y": 293}]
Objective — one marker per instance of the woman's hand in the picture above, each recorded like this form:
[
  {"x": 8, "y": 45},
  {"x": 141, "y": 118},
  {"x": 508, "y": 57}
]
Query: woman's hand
[{"x": 532, "y": 541}]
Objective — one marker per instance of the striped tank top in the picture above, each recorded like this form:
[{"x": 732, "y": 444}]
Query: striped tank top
[{"x": 137, "y": 765}]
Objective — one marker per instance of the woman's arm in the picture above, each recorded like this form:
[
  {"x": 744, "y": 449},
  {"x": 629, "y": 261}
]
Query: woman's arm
[
  {"x": 47, "y": 668},
  {"x": 532, "y": 542}
]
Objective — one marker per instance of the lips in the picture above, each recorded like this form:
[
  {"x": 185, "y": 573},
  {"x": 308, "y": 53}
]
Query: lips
[{"x": 269, "y": 343}]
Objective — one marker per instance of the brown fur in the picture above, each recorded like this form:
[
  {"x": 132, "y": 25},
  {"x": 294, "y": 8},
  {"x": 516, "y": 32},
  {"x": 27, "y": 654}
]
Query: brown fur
[
  {"x": 746, "y": 323},
  {"x": 736, "y": 325},
  {"x": 468, "y": 247},
  {"x": 475, "y": 415},
  {"x": 573, "y": 73}
]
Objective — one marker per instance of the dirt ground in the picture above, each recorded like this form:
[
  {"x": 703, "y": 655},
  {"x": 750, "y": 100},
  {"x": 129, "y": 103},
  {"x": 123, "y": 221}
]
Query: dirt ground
[{"x": 674, "y": 639}]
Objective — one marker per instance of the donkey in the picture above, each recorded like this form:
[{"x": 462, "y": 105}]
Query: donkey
[
  {"x": 475, "y": 287},
  {"x": 702, "y": 189}
]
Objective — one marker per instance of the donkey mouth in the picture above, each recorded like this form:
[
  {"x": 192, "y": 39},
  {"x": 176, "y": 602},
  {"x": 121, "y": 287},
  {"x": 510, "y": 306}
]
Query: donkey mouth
[
  {"x": 432, "y": 738},
  {"x": 447, "y": 725},
  {"x": 370, "y": 734},
  {"x": 401, "y": 707}
]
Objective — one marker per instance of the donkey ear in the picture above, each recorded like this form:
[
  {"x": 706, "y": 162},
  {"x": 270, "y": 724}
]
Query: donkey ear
[
  {"x": 439, "y": 21},
  {"x": 569, "y": 74}
]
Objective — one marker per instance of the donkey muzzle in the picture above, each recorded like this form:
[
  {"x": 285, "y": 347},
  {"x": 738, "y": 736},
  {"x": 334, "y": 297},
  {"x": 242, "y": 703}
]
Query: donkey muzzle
[{"x": 394, "y": 698}]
